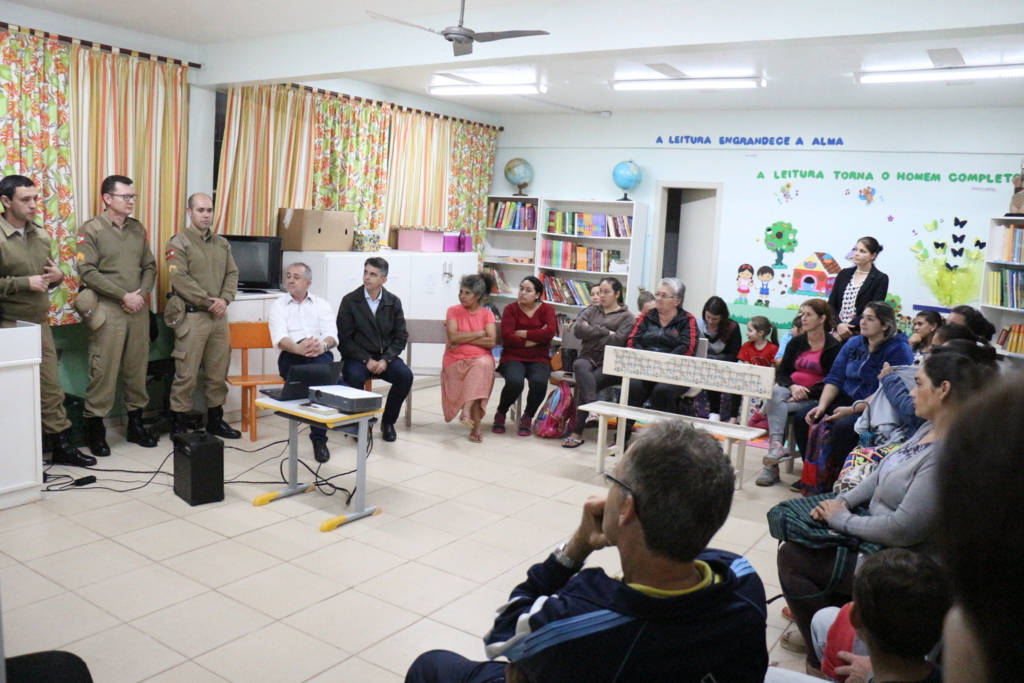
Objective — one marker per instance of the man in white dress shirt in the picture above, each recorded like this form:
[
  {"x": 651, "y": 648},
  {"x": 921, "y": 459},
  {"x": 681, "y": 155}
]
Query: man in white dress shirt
[{"x": 304, "y": 328}]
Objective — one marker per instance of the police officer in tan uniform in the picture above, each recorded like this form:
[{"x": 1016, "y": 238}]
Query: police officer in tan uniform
[
  {"x": 115, "y": 261},
  {"x": 26, "y": 276},
  {"x": 204, "y": 280}
]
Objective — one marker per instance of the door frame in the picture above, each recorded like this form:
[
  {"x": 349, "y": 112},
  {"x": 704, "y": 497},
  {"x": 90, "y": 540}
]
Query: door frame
[{"x": 661, "y": 213}]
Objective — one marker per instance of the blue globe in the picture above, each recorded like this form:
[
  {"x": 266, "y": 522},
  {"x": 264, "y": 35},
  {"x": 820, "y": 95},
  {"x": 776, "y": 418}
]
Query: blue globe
[
  {"x": 519, "y": 172},
  {"x": 626, "y": 175}
]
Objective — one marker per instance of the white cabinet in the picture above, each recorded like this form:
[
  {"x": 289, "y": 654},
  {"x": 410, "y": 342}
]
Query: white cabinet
[
  {"x": 22, "y": 472},
  {"x": 426, "y": 282}
]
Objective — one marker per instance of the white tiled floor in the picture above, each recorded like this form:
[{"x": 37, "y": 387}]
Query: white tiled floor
[{"x": 146, "y": 588}]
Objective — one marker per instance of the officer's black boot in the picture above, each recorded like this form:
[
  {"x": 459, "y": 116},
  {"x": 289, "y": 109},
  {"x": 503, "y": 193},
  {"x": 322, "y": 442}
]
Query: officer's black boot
[
  {"x": 63, "y": 453},
  {"x": 216, "y": 425},
  {"x": 180, "y": 424},
  {"x": 137, "y": 433},
  {"x": 96, "y": 436}
]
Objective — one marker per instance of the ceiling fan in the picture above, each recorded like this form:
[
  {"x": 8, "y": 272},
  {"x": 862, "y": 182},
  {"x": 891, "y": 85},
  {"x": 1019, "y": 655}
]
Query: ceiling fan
[{"x": 462, "y": 38}]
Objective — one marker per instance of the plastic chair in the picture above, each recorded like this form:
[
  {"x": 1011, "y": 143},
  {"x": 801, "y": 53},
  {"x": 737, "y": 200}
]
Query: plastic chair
[{"x": 245, "y": 336}]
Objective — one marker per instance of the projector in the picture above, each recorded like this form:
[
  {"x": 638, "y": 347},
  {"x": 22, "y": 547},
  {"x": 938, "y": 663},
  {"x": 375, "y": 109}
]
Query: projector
[{"x": 346, "y": 399}]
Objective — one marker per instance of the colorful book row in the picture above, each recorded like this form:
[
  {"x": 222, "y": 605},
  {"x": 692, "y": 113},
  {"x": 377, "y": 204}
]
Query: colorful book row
[
  {"x": 589, "y": 224},
  {"x": 1013, "y": 244},
  {"x": 1011, "y": 339},
  {"x": 1006, "y": 288},
  {"x": 564, "y": 291},
  {"x": 572, "y": 256},
  {"x": 512, "y": 215}
]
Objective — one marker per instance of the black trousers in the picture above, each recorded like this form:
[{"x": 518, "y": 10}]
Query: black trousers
[
  {"x": 518, "y": 373},
  {"x": 285, "y": 362},
  {"x": 807, "y": 571},
  {"x": 442, "y": 666},
  {"x": 844, "y": 438}
]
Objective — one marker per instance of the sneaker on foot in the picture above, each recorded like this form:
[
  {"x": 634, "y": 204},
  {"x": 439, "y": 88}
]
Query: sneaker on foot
[
  {"x": 499, "y": 423},
  {"x": 768, "y": 476},
  {"x": 524, "y": 427},
  {"x": 777, "y": 453}
]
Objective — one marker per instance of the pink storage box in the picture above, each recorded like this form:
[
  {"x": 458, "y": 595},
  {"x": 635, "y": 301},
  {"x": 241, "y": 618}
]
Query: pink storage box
[
  {"x": 420, "y": 240},
  {"x": 452, "y": 242}
]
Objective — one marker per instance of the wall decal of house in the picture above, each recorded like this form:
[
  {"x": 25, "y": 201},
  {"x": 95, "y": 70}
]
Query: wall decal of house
[{"x": 815, "y": 274}]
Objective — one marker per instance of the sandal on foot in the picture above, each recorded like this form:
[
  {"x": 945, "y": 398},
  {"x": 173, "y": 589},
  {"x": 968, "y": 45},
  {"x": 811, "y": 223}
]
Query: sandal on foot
[
  {"x": 571, "y": 442},
  {"x": 786, "y": 614},
  {"x": 794, "y": 642},
  {"x": 476, "y": 437}
]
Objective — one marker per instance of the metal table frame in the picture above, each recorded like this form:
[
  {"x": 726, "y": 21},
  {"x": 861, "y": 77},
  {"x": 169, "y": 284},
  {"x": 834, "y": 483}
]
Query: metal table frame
[{"x": 340, "y": 421}]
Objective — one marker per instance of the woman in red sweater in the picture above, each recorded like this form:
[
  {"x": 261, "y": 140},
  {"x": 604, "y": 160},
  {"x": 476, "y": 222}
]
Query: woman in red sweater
[{"x": 527, "y": 328}]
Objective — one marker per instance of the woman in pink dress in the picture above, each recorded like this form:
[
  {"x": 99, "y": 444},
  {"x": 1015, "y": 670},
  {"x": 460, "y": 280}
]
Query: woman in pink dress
[{"x": 467, "y": 374}]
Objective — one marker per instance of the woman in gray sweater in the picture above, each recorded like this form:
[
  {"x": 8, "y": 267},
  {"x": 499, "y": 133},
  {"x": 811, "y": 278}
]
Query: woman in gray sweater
[
  {"x": 901, "y": 494},
  {"x": 606, "y": 322}
]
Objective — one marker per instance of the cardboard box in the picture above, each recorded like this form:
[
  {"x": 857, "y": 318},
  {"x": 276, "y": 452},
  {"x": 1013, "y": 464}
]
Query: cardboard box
[
  {"x": 420, "y": 240},
  {"x": 309, "y": 230}
]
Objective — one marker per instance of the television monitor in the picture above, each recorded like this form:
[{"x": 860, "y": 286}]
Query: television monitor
[{"x": 258, "y": 260}]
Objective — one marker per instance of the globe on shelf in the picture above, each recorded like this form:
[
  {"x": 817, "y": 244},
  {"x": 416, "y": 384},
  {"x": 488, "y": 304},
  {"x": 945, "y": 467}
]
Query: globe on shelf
[
  {"x": 626, "y": 175},
  {"x": 519, "y": 173}
]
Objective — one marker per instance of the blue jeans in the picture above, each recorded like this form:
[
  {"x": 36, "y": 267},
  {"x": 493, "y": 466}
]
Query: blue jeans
[
  {"x": 442, "y": 666},
  {"x": 398, "y": 374},
  {"x": 284, "y": 363}
]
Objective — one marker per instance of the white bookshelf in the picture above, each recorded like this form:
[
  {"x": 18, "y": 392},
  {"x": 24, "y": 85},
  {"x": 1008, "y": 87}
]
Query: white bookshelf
[
  {"x": 630, "y": 248},
  {"x": 997, "y": 314},
  {"x": 500, "y": 244}
]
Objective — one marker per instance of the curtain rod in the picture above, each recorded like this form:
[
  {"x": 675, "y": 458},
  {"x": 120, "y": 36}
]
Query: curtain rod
[
  {"x": 113, "y": 49},
  {"x": 397, "y": 106}
]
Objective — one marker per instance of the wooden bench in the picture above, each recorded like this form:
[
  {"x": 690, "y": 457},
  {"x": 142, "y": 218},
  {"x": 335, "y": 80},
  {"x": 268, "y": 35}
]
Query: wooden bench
[{"x": 744, "y": 380}]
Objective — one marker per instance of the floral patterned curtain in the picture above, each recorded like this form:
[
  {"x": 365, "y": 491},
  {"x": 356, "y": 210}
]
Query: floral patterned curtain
[
  {"x": 130, "y": 117},
  {"x": 350, "y": 159},
  {"x": 35, "y": 137},
  {"x": 473, "y": 151}
]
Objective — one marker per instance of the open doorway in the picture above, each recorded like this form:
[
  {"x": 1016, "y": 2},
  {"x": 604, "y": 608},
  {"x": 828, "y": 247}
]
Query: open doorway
[{"x": 686, "y": 233}]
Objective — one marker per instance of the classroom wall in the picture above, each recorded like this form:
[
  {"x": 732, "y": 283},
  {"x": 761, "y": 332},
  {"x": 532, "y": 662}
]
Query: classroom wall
[{"x": 821, "y": 190}]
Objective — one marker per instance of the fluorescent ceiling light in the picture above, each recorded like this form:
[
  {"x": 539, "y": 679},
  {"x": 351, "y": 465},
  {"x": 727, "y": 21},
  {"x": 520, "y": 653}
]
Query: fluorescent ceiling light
[
  {"x": 950, "y": 74},
  {"x": 688, "y": 84},
  {"x": 485, "y": 89}
]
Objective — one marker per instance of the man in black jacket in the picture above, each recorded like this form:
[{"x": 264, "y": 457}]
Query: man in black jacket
[{"x": 372, "y": 335}]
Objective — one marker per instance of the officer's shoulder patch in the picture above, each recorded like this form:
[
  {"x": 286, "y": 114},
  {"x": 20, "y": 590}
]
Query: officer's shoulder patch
[
  {"x": 80, "y": 256},
  {"x": 173, "y": 269},
  {"x": 169, "y": 253}
]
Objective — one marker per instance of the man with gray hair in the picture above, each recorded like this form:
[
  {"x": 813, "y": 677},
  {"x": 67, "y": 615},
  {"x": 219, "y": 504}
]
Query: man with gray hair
[
  {"x": 303, "y": 327},
  {"x": 681, "y": 611}
]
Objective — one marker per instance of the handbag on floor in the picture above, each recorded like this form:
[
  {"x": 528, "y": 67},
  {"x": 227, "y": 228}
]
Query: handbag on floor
[{"x": 790, "y": 521}]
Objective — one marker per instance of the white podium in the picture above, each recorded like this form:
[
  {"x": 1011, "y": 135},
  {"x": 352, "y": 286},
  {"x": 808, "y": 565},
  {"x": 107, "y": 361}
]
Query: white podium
[{"x": 21, "y": 455}]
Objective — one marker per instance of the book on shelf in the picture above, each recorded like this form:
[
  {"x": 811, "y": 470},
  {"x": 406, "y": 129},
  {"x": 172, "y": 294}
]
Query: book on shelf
[
  {"x": 1013, "y": 244},
  {"x": 500, "y": 284},
  {"x": 509, "y": 215},
  {"x": 1011, "y": 339},
  {"x": 572, "y": 256},
  {"x": 565, "y": 291},
  {"x": 1006, "y": 288},
  {"x": 514, "y": 260},
  {"x": 589, "y": 224}
]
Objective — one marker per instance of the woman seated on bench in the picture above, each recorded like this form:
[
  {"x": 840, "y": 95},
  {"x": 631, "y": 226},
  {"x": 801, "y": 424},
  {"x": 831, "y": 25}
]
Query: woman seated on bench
[
  {"x": 724, "y": 343},
  {"x": 901, "y": 495},
  {"x": 799, "y": 380},
  {"x": 666, "y": 328},
  {"x": 467, "y": 374},
  {"x": 606, "y": 322},
  {"x": 853, "y": 378}
]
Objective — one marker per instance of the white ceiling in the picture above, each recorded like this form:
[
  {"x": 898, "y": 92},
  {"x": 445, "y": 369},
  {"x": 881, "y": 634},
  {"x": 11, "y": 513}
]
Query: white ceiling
[{"x": 806, "y": 51}]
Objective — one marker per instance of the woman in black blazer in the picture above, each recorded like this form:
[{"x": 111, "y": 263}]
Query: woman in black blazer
[{"x": 856, "y": 287}]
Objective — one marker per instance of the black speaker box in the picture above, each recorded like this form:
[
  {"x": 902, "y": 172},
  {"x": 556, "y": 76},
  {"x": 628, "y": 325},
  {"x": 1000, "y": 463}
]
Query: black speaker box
[{"x": 198, "y": 468}]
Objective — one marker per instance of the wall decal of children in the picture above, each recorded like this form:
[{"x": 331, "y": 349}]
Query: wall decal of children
[
  {"x": 744, "y": 279},
  {"x": 765, "y": 274}
]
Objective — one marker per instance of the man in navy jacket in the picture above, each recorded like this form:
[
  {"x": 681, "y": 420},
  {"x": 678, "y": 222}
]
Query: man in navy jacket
[
  {"x": 371, "y": 337},
  {"x": 681, "y": 612}
]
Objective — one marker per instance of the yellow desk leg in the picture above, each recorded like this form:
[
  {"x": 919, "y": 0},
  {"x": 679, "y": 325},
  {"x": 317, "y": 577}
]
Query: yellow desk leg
[{"x": 334, "y": 522}]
